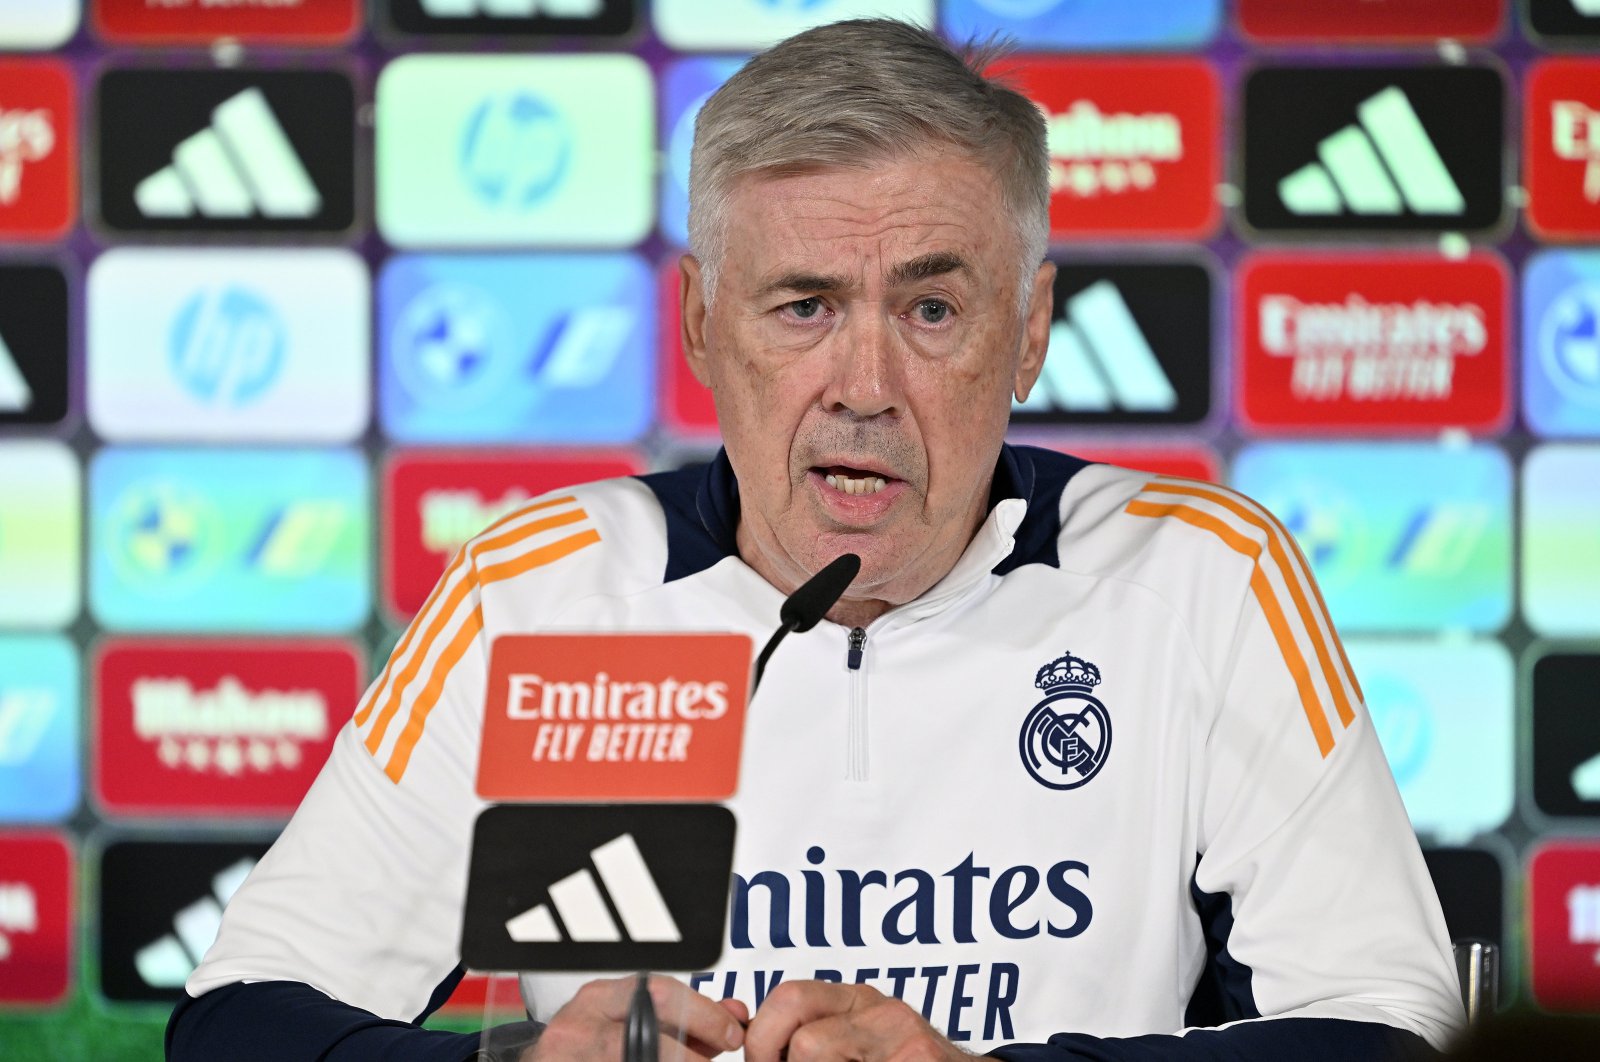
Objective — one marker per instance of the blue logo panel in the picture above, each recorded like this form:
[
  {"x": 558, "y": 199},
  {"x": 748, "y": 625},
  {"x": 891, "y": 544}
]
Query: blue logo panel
[
  {"x": 685, "y": 88},
  {"x": 39, "y": 730},
  {"x": 1074, "y": 25},
  {"x": 1401, "y": 536},
  {"x": 1561, "y": 343},
  {"x": 550, "y": 349},
  {"x": 238, "y": 540},
  {"x": 1561, "y": 540},
  {"x": 1444, "y": 714}
]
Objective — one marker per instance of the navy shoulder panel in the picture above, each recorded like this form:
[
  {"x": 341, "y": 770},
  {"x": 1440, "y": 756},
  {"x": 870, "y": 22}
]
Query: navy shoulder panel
[
  {"x": 1270, "y": 1040},
  {"x": 701, "y": 504},
  {"x": 1038, "y": 476}
]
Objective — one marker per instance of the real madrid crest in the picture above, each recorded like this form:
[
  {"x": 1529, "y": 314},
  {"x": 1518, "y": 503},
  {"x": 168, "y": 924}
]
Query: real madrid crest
[{"x": 1067, "y": 736}]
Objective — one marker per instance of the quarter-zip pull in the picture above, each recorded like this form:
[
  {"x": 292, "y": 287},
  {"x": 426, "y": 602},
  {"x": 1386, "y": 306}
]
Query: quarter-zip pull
[
  {"x": 855, "y": 769},
  {"x": 858, "y": 645}
]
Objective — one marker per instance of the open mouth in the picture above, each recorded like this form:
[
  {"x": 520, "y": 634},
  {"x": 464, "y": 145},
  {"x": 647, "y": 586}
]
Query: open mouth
[{"x": 849, "y": 480}]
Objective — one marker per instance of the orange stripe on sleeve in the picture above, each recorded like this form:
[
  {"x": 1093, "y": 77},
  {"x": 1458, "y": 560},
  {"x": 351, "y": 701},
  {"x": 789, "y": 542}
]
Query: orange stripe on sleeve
[
  {"x": 453, "y": 652},
  {"x": 429, "y": 696},
  {"x": 453, "y": 602},
  {"x": 1274, "y": 533},
  {"x": 1269, "y": 607},
  {"x": 433, "y": 595}
]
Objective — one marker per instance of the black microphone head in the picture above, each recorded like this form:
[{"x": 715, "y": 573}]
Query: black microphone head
[{"x": 805, "y": 607}]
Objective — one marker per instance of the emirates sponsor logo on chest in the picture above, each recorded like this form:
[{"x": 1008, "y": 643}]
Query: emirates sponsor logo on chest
[{"x": 614, "y": 716}]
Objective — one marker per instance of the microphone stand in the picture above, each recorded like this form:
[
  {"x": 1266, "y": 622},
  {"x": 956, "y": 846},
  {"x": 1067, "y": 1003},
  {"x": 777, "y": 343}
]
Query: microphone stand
[{"x": 802, "y": 610}]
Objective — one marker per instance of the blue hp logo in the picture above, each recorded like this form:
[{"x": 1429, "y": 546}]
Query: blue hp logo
[
  {"x": 1067, "y": 736},
  {"x": 1570, "y": 344},
  {"x": 515, "y": 150},
  {"x": 227, "y": 347}
]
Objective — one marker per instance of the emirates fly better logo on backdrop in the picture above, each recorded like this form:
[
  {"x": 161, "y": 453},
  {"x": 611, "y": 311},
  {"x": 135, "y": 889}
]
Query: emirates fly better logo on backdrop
[{"x": 1368, "y": 343}]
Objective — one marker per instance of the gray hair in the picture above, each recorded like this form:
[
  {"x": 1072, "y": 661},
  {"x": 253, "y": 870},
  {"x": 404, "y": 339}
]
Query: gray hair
[{"x": 854, "y": 93}]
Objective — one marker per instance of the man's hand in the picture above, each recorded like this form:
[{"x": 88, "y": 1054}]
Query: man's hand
[
  {"x": 819, "y": 1021},
  {"x": 590, "y": 1026}
]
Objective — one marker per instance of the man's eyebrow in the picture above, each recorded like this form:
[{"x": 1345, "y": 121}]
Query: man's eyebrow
[
  {"x": 934, "y": 264},
  {"x": 801, "y": 281}
]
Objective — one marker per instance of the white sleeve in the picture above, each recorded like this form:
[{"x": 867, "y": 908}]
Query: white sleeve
[{"x": 361, "y": 896}]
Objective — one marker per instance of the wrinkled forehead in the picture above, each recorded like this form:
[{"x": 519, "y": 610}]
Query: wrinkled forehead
[{"x": 892, "y": 222}]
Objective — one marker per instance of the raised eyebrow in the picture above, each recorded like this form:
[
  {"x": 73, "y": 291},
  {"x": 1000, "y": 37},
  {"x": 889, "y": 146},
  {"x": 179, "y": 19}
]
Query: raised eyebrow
[{"x": 935, "y": 264}]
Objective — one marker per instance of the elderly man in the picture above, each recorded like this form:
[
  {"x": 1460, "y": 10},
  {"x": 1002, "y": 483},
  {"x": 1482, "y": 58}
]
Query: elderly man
[{"x": 941, "y": 846}]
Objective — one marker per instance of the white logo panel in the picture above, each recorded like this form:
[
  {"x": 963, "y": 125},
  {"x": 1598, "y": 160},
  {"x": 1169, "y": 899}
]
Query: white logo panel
[
  {"x": 689, "y": 25},
  {"x": 235, "y": 345}
]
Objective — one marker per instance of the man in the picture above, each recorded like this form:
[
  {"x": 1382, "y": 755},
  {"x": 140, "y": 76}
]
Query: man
[{"x": 931, "y": 857}]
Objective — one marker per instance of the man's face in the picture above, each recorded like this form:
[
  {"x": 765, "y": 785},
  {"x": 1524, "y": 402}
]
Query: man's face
[{"x": 862, "y": 348}]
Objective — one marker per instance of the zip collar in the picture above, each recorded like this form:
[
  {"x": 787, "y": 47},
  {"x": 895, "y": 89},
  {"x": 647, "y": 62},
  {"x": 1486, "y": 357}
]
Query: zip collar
[{"x": 701, "y": 506}]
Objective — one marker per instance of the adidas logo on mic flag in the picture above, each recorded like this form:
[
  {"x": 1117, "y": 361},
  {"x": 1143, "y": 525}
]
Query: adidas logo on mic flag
[
  {"x": 1364, "y": 149},
  {"x": 559, "y": 887},
  {"x": 226, "y": 151}
]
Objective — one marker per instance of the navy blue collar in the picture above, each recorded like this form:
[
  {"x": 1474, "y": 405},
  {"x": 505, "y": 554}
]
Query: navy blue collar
[{"x": 701, "y": 503}]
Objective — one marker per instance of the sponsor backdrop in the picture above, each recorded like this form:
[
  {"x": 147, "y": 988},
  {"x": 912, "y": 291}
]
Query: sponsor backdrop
[{"x": 297, "y": 296}]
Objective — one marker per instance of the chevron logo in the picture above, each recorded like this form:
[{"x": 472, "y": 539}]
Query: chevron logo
[
  {"x": 1378, "y": 166},
  {"x": 581, "y": 905},
  {"x": 514, "y": 8},
  {"x": 168, "y": 962},
  {"x": 1099, "y": 360},
  {"x": 242, "y": 164}
]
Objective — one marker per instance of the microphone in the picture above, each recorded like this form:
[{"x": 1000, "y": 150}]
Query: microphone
[{"x": 805, "y": 608}]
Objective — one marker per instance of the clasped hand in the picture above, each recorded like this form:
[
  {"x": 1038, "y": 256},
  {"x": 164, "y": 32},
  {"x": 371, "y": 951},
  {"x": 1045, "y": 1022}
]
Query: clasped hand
[{"x": 800, "y": 1021}]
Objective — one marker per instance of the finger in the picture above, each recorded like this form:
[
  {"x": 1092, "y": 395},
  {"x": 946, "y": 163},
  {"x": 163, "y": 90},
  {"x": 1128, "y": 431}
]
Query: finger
[
  {"x": 740, "y": 1012},
  {"x": 684, "y": 1014},
  {"x": 794, "y": 1004}
]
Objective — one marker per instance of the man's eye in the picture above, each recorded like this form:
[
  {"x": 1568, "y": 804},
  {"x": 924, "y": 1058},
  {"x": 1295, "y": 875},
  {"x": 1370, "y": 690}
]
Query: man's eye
[
  {"x": 933, "y": 311},
  {"x": 805, "y": 309}
]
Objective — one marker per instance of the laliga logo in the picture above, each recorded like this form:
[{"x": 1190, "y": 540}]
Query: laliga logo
[{"x": 1067, "y": 736}]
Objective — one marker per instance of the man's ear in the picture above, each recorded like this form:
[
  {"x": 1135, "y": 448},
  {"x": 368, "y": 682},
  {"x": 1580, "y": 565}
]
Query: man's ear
[
  {"x": 1036, "y": 330},
  {"x": 692, "y": 307}
]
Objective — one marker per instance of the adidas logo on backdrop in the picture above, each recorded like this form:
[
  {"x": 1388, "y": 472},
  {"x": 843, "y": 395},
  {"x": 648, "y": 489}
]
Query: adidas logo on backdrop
[
  {"x": 1374, "y": 149},
  {"x": 226, "y": 151},
  {"x": 1131, "y": 345}
]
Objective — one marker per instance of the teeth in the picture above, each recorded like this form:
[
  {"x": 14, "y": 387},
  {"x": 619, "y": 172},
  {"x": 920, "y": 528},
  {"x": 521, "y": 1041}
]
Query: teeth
[{"x": 864, "y": 485}]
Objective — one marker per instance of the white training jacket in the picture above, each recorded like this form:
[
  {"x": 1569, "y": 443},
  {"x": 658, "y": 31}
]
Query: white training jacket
[{"x": 1209, "y": 835}]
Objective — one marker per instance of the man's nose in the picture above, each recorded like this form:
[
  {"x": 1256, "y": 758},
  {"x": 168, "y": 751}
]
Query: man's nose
[{"x": 867, "y": 376}]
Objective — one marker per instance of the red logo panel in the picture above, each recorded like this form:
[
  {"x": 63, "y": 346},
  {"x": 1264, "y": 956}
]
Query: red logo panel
[
  {"x": 217, "y": 727},
  {"x": 1134, "y": 143},
  {"x": 38, "y": 149},
  {"x": 686, "y": 404},
  {"x": 35, "y": 918},
  {"x": 1185, "y": 463},
  {"x": 433, "y": 503},
  {"x": 1562, "y": 144},
  {"x": 1373, "y": 343},
  {"x": 1350, "y": 20},
  {"x": 307, "y": 21},
  {"x": 614, "y": 717},
  {"x": 1564, "y": 897}
]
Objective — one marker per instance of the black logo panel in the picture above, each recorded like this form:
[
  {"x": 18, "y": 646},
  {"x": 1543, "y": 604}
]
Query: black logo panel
[
  {"x": 1566, "y": 734},
  {"x": 33, "y": 344},
  {"x": 525, "y": 18},
  {"x": 1130, "y": 344},
  {"x": 1471, "y": 887},
  {"x": 558, "y": 887},
  {"x": 1374, "y": 149},
  {"x": 160, "y": 907},
  {"x": 226, "y": 151},
  {"x": 1565, "y": 18}
]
